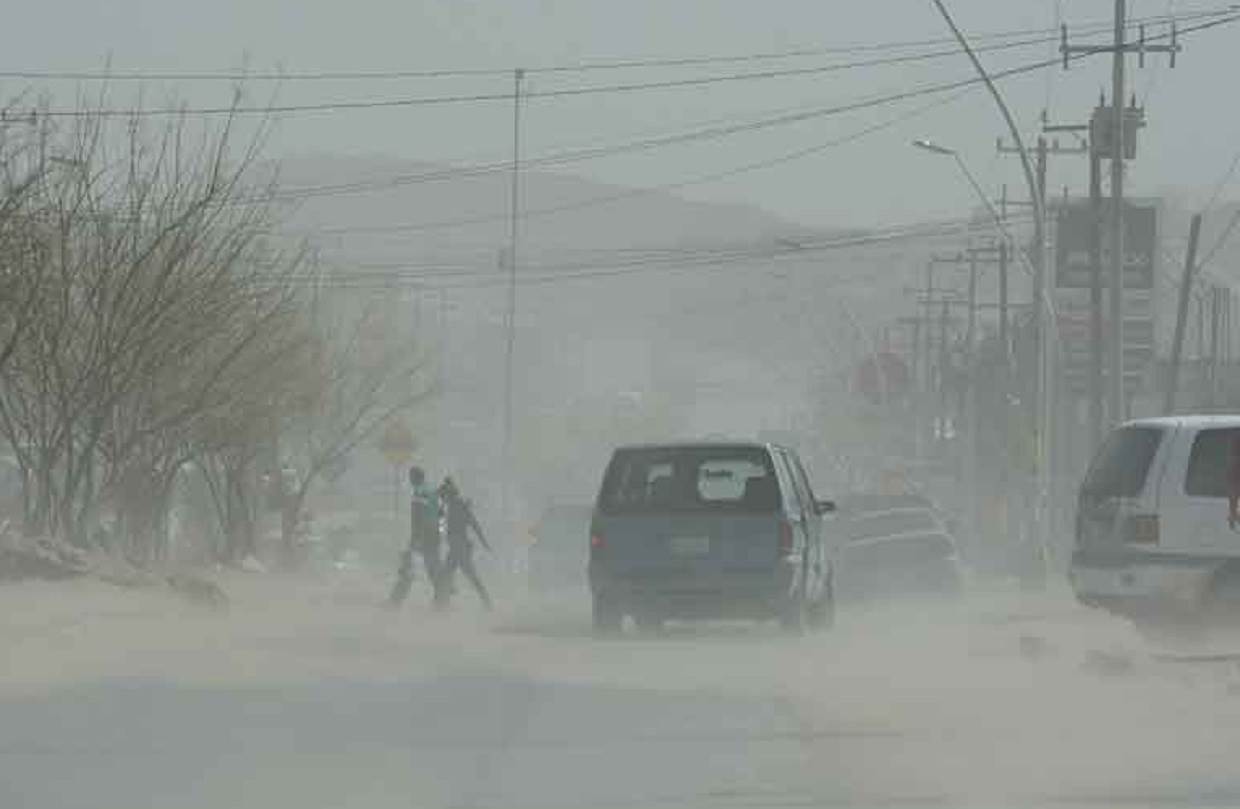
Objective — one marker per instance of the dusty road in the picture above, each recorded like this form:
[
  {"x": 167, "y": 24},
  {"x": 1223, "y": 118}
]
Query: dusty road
[{"x": 307, "y": 695}]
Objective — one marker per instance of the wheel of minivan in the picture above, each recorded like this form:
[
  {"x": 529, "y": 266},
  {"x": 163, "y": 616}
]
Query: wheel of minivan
[
  {"x": 608, "y": 618},
  {"x": 792, "y": 614},
  {"x": 821, "y": 613},
  {"x": 648, "y": 622}
]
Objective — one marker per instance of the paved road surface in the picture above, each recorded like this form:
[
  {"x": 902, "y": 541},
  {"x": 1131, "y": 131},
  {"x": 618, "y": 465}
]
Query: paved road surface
[{"x": 327, "y": 702}]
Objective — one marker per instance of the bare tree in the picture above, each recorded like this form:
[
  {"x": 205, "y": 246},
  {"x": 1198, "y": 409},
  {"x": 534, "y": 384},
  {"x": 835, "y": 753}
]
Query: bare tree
[
  {"x": 359, "y": 379},
  {"x": 154, "y": 324},
  {"x": 155, "y": 280},
  {"x": 20, "y": 172}
]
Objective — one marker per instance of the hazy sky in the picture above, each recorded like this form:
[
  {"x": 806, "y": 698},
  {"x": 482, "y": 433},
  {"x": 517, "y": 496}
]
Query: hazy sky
[{"x": 1191, "y": 139}]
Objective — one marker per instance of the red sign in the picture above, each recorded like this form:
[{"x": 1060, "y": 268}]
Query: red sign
[{"x": 881, "y": 376}]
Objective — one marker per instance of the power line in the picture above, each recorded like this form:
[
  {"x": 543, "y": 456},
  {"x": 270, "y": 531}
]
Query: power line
[
  {"x": 664, "y": 84},
  {"x": 710, "y": 130},
  {"x": 685, "y": 183},
  {"x": 707, "y": 259},
  {"x": 708, "y": 133},
  {"x": 645, "y": 144},
  {"x": 577, "y": 67},
  {"x": 335, "y": 106}
]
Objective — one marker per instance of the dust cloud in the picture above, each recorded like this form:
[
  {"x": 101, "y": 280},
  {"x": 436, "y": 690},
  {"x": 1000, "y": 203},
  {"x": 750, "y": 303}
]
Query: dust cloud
[{"x": 1006, "y": 698}]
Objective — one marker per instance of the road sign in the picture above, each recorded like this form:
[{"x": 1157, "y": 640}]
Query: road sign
[
  {"x": 1073, "y": 277},
  {"x": 396, "y": 443},
  {"x": 881, "y": 376}
]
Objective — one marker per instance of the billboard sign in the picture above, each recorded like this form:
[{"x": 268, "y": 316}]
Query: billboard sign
[{"x": 1073, "y": 276}]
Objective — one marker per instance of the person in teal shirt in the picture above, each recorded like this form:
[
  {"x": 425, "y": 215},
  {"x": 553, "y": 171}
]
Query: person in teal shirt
[{"x": 423, "y": 538}]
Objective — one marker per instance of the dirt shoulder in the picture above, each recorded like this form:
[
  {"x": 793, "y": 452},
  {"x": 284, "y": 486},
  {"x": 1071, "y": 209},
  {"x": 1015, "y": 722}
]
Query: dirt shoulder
[{"x": 274, "y": 629}]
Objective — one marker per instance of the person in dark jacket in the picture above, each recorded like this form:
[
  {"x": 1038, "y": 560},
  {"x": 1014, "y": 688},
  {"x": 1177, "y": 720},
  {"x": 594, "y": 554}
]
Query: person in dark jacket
[
  {"x": 459, "y": 520},
  {"x": 423, "y": 537}
]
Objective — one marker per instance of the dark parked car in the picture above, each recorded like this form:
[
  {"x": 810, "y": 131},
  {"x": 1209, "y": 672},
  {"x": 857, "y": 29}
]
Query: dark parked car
[
  {"x": 708, "y": 531},
  {"x": 866, "y": 516},
  {"x": 895, "y": 545},
  {"x": 917, "y": 564}
]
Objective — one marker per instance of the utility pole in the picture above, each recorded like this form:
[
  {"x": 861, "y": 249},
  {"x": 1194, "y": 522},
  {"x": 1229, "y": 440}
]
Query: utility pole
[
  {"x": 924, "y": 348},
  {"x": 1003, "y": 292},
  {"x": 1201, "y": 341},
  {"x": 1043, "y": 386},
  {"x": 923, "y": 399},
  {"x": 1115, "y": 358},
  {"x": 1091, "y": 148},
  {"x": 1003, "y": 306},
  {"x": 1117, "y": 128},
  {"x": 916, "y": 359},
  {"x": 1181, "y": 315},
  {"x": 926, "y": 363},
  {"x": 944, "y": 362},
  {"x": 914, "y": 323},
  {"x": 1096, "y": 420},
  {"x": 1039, "y": 279},
  {"x": 1043, "y": 151},
  {"x": 974, "y": 258},
  {"x": 970, "y": 332},
  {"x": 1216, "y": 310},
  {"x": 514, "y": 215}
]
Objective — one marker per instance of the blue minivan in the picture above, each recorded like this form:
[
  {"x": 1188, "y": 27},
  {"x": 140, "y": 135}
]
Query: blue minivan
[{"x": 718, "y": 530}]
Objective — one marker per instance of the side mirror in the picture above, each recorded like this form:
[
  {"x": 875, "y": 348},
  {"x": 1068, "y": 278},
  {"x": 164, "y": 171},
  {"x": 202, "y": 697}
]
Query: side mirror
[{"x": 825, "y": 507}]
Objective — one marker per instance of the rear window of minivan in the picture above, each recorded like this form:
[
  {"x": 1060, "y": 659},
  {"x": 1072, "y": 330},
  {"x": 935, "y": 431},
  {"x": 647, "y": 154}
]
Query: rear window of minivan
[
  {"x": 659, "y": 479},
  {"x": 1208, "y": 462},
  {"x": 1123, "y": 462}
]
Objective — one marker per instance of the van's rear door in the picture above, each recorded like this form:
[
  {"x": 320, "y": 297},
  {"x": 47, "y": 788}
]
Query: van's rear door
[
  {"x": 1113, "y": 488},
  {"x": 677, "y": 545},
  {"x": 689, "y": 511}
]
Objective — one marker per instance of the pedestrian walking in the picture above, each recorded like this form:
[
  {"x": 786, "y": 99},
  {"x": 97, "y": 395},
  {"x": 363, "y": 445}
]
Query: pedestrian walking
[
  {"x": 424, "y": 538},
  {"x": 459, "y": 520}
]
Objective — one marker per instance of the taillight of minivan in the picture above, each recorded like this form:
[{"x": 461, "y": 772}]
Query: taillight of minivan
[
  {"x": 597, "y": 543},
  {"x": 1141, "y": 529},
  {"x": 785, "y": 538}
]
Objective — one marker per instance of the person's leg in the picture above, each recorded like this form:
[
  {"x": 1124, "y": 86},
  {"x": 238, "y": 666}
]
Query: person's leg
[
  {"x": 443, "y": 583},
  {"x": 434, "y": 566},
  {"x": 430, "y": 564},
  {"x": 471, "y": 573},
  {"x": 404, "y": 578}
]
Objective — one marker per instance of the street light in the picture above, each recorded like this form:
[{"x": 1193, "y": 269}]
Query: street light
[{"x": 935, "y": 148}]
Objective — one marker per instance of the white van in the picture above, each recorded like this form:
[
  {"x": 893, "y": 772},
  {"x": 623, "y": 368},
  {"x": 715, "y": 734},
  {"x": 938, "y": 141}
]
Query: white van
[{"x": 1152, "y": 532}]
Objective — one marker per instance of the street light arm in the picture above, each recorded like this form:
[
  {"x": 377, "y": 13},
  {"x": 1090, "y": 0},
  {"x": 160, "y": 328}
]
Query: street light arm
[
  {"x": 981, "y": 194},
  {"x": 1039, "y": 214},
  {"x": 931, "y": 146}
]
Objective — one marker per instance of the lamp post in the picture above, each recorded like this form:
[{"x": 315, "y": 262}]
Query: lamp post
[
  {"x": 1044, "y": 314},
  {"x": 1044, "y": 409}
]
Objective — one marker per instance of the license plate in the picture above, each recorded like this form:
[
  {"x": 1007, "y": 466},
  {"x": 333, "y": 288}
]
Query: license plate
[{"x": 690, "y": 546}]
